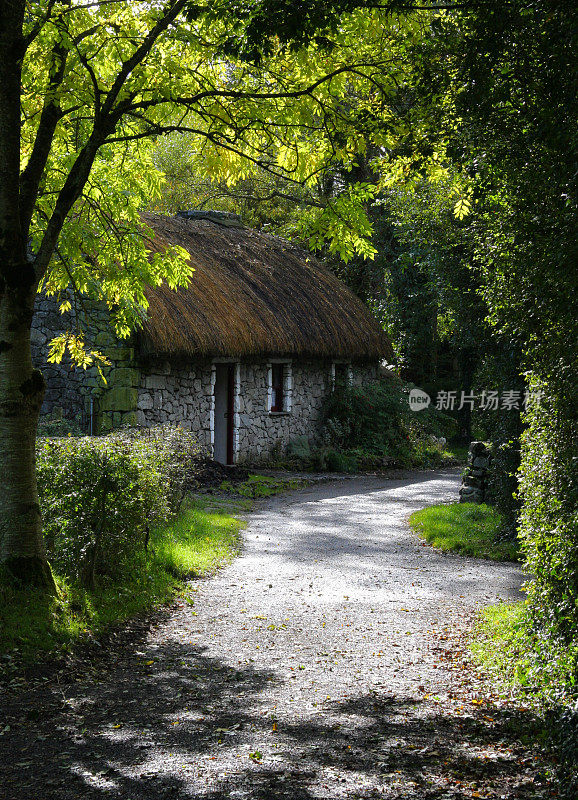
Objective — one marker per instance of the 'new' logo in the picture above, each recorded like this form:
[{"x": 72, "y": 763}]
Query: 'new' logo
[{"x": 418, "y": 400}]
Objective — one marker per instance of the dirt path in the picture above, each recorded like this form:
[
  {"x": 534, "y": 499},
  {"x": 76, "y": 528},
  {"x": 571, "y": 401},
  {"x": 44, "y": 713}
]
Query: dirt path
[{"x": 324, "y": 663}]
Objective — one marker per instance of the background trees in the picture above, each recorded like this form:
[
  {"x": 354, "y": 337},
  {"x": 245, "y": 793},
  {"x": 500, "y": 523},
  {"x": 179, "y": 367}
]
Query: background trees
[{"x": 518, "y": 107}]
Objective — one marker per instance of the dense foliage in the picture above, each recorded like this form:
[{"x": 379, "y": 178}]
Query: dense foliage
[
  {"x": 372, "y": 427},
  {"x": 519, "y": 107},
  {"x": 101, "y": 497}
]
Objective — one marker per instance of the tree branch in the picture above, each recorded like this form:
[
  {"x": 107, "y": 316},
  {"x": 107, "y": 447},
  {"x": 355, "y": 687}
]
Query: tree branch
[
  {"x": 12, "y": 242},
  {"x": 170, "y": 14},
  {"x": 49, "y": 119}
]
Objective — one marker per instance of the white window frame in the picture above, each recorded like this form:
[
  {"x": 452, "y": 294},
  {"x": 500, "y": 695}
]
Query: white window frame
[
  {"x": 349, "y": 378},
  {"x": 287, "y": 386}
]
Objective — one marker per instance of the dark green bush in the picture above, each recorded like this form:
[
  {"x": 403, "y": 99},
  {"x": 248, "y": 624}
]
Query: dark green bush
[
  {"x": 369, "y": 418},
  {"x": 341, "y": 462},
  {"x": 372, "y": 426},
  {"x": 502, "y": 429}
]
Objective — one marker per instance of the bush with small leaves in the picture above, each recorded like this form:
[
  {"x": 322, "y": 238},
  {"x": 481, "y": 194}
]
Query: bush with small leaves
[
  {"x": 100, "y": 496},
  {"x": 180, "y": 455}
]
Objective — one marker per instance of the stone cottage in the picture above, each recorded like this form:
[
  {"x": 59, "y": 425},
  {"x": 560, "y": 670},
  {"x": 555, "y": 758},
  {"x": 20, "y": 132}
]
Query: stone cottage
[{"x": 244, "y": 357}]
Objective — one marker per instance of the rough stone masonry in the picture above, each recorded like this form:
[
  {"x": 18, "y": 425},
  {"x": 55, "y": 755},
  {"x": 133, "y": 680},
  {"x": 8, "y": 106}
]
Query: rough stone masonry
[{"x": 473, "y": 488}]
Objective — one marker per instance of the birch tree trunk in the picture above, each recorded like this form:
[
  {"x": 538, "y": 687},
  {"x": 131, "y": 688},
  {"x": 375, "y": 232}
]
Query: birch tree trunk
[{"x": 21, "y": 392}]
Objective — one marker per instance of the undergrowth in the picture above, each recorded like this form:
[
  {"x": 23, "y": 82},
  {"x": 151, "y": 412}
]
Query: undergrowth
[
  {"x": 531, "y": 664},
  {"x": 262, "y": 486}
]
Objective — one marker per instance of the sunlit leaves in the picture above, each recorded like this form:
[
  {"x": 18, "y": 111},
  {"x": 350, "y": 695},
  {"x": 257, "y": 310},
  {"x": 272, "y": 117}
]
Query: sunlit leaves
[
  {"x": 74, "y": 345},
  {"x": 462, "y": 206},
  {"x": 297, "y": 114}
]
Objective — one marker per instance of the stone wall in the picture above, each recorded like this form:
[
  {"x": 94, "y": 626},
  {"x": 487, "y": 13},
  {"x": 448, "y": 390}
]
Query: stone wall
[
  {"x": 262, "y": 433},
  {"x": 72, "y": 389},
  {"x": 184, "y": 395},
  {"x": 177, "y": 393},
  {"x": 473, "y": 488}
]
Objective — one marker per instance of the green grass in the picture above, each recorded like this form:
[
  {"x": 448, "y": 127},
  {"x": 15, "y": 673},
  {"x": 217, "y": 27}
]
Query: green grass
[
  {"x": 528, "y": 666},
  {"x": 499, "y": 642},
  {"x": 200, "y": 541},
  {"x": 516, "y": 652},
  {"x": 466, "y": 528},
  {"x": 196, "y": 544},
  {"x": 262, "y": 486}
]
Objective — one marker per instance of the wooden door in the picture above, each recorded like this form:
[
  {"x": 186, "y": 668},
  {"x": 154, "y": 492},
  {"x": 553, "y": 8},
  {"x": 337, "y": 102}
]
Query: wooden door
[{"x": 224, "y": 417}]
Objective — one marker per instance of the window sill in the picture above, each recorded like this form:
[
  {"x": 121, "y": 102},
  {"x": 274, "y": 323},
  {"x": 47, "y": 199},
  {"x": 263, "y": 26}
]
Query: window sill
[{"x": 279, "y": 413}]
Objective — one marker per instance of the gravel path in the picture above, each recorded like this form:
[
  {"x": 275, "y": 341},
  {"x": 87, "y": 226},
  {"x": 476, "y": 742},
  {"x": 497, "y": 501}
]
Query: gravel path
[{"x": 325, "y": 662}]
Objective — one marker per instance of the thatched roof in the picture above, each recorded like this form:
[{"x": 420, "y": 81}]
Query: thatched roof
[{"x": 253, "y": 295}]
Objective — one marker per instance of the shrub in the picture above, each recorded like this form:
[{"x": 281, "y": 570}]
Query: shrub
[
  {"x": 367, "y": 417},
  {"x": 299, "y": 448},
  {"x": 537, "y": 648},
  {"x": 100, "y": 495},
  {"x": 372, "y": 426},
  {"x": 180, "y": 457},
  {"x": 56, "y": 424},
  {"x": 502, "y": 428}
]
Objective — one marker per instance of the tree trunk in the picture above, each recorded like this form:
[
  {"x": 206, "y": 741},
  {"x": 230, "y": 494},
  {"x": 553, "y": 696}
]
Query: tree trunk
[{"x": 22, "y": 551}]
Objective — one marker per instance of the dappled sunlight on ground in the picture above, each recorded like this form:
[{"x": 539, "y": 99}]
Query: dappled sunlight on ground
[{"x": 327, "y": 662}]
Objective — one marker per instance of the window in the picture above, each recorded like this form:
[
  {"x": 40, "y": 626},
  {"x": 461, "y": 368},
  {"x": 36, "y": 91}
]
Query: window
[
  {"x": 280, "y": 387},
  {"x": 340, "y": 374},
  {"x": 277, "y": 387}
]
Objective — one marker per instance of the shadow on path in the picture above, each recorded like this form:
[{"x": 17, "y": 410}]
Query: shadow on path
[
  {"x": 187, "y": 725},
  {"x": 186, "y": 704}
]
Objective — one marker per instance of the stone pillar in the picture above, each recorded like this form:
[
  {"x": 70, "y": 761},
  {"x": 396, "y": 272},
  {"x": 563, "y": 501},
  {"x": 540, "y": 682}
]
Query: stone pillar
[
  {"x": 473, "y": 488},
  {"x": 117, "y": 403}
]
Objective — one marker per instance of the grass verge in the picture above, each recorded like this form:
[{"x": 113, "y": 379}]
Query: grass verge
[
  {"x": 509, "y": 645},
  {"x": 195, "y": 544},
  {"x": 498, "y": 642},
  {"x": 540, "y": 674},
  {"x": 262, "y": 486},
  {"x": 466, "y": 528}
]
